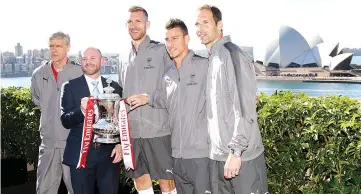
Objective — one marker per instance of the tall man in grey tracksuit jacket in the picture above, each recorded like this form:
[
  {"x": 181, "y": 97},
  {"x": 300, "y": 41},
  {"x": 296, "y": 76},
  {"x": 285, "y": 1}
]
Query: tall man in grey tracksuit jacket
[
  {"x": 238, "y": 163},
  {"x": 149, "y": 127},
  {"x": 46, "y": 83},
  {"x": 182, "y": 92}
]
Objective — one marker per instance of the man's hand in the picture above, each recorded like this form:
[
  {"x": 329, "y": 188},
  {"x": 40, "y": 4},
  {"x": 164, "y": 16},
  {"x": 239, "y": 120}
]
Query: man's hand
[
  {"x": 118, "y": 152},
  {"x": 83, "y": 104},
  {"x": 232, "y": 166},
  {"x": 137, "y": 100}
]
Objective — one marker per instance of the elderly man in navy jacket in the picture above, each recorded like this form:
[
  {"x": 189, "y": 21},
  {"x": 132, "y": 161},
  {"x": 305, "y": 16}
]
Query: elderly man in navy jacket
[{"x": 102, "y": 161}]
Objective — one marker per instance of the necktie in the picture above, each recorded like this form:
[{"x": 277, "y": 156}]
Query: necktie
[{"x": 95, "y": 90}]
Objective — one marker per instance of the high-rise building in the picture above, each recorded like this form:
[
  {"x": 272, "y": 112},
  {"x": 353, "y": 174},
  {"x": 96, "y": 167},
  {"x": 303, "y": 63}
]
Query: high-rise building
[
  {"x": 36, "y": 53},
  {"x": 42, "y": 53},
  {"x": 46, "y": 54},
  {"x": 18, "y": 50},
  {"x": 30, "y": 53},
  {"x": 1, "y": 58},
  {"x": 29, "y": 59}
]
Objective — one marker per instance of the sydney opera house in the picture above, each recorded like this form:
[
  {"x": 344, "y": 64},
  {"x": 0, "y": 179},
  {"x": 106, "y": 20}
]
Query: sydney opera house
[{"x": 291, "y": 51}]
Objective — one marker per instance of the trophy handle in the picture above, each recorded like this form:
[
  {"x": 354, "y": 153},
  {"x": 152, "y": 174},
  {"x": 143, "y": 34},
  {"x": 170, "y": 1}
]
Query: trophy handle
[
  {"x": 116, "y": 111},
  {"x": 96, "y": 109}
]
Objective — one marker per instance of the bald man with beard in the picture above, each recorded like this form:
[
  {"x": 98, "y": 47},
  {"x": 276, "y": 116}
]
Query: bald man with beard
[{"x": 102, "y": 161}]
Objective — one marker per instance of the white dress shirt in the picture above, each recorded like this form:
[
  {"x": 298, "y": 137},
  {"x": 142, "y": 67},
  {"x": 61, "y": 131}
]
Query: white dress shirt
[
  {"x": 91, "y": 88},
  {"x": 90, "y": 85}
]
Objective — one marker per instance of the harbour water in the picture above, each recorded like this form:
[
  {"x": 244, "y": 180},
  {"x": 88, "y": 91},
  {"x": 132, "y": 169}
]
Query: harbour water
[{"x": 352, "y": 90}]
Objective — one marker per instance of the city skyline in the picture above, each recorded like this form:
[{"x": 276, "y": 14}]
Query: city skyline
[{"x": 250, "y": 23}]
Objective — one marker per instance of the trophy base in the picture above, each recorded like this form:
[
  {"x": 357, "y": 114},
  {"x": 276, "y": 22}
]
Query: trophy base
[
  {"x": 106, "y": 138},
  {"x": 104, "y": 127}
]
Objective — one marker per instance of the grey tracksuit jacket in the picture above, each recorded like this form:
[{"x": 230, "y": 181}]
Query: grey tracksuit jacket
[
  {"x": 141, "y": 73},
  {"x": 45, "y": 92},
  {"x": 231, "y": 103},
  {"x": 182, "y": 93}
]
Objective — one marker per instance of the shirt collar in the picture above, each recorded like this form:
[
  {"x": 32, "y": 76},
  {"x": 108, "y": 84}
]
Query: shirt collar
[{"x": 89, "y": 79}]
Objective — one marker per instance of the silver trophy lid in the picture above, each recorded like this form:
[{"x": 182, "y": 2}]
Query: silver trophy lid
[{"x": 108, "y": 92}]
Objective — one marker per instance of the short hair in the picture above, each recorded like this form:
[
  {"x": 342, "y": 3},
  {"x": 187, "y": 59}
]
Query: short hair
[
  {"x": 217, "y": 14},
  {"x": 100, "y": 53},
  {"x": 61, "y": 35},
  {"x": 177, "y": 23},
  {"x": 138, "y": 8},
  {"x": 98, "y": 50}
]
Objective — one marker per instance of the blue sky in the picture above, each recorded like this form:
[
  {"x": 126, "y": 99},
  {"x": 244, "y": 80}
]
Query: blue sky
[{"x": 102, "y": 23}]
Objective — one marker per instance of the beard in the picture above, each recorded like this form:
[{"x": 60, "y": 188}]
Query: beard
[
  {"x": 174, "y": 54},
  {"x": 137, "y": 36},
  {"x": 90, "y": 69},
  {"x": 205, "y": 40}
]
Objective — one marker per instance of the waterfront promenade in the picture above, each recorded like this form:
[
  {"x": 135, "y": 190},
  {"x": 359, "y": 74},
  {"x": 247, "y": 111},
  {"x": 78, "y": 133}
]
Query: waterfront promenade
[{"x": 313, "y": 79}]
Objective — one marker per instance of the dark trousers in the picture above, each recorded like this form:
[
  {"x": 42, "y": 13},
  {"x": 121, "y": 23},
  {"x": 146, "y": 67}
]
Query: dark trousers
[
  {"x": 99, "y": 168},
  {"x": 252, "y": 178},
  {"x": 192, "y": 175}
]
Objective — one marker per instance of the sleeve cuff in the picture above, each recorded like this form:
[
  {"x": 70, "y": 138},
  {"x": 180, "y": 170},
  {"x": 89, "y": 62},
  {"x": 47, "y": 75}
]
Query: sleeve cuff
[
  {"x": 150, "y": 99},
  {"x": 237, "y": 148}
]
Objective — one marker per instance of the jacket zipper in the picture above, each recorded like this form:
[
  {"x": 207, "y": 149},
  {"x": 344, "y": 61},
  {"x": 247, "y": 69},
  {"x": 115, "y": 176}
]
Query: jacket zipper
[
  {"x": 57, "y": 81},
  {"x": 138, "y": 88},
  {"x": 179, "y": 112}
]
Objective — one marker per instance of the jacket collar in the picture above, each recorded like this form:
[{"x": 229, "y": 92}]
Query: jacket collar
[
  {"x": 142, "y": 46},
  {"x": 104, "y": 81},
  {"x": 84, "y": 85},
  {"x": 188, "y": 58},
  {"x": 49, "y": 71},
  {"x": 218, "y": 45}
]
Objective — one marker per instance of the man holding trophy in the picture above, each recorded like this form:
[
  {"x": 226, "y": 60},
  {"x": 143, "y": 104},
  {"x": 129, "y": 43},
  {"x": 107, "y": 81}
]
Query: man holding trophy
[
  {"x": 150, "y": 130},
  {"x": 89, "y": 108}
]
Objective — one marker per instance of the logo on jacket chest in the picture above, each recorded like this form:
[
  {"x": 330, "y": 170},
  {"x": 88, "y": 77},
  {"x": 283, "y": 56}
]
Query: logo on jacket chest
[
  {"x": 148, "y": 64},
  {"x": 192, "y": 80},
  {"x": 168, "y": 81}
]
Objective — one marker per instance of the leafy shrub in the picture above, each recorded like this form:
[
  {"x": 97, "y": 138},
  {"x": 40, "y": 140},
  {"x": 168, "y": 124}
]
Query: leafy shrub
[
  {"x": 313, "y": 145},
  {"x": 20, "y": 136}
]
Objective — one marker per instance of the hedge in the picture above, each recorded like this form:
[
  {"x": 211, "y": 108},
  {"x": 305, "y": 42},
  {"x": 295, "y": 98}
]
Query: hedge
[{"x": 312, "y": 144}]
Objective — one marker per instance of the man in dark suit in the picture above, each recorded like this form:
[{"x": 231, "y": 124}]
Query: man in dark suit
[{"x": 101, "y": 161}]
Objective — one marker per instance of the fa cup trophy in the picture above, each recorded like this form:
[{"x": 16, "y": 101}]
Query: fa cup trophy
[
  {"x": 111, "y": 123},
  {"x": 106, "y": 126}
]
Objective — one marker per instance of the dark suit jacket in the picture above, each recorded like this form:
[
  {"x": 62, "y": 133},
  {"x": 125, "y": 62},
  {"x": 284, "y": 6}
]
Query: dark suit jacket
[{"x": 71, "y": 116}]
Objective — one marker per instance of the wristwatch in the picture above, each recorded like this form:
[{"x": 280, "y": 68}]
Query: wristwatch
[{"x": 234, "y": 152}]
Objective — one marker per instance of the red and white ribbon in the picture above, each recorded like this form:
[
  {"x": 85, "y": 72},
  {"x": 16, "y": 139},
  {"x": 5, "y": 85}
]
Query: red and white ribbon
[
  {"x": 87, "y": 133},
  {"x": 124, "y": 129}
]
